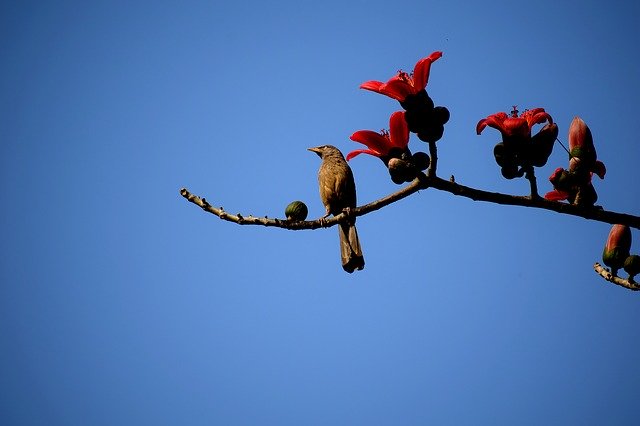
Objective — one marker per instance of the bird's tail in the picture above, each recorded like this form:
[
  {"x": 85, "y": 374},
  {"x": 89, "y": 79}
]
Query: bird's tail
[{"x": 350, "y": 249}]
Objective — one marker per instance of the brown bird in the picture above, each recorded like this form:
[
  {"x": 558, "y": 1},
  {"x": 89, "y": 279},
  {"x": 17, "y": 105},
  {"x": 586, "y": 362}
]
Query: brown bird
[{"x": 338, "y": 192}]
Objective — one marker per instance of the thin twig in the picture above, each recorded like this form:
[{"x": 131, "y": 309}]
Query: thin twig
[{"x": 607, "y": 275}]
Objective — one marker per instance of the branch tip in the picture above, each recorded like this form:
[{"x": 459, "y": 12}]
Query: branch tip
[{"x": 608, "y": 276}]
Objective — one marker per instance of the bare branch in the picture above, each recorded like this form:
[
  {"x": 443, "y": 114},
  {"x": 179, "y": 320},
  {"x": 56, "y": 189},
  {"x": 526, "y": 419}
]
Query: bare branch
[
  {"x": 264, "y": 221},
  {"x": 607, "y": 275},
  {"x": 423, "y": 182}
]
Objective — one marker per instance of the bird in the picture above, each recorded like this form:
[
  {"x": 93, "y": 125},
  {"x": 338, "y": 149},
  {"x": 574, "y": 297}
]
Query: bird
[{"x": 337, "y": 193}]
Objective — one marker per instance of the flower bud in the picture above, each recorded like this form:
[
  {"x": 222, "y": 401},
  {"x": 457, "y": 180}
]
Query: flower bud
[
  {"x": 616, "y": 249},
  {"x": 581, "y": 141}
]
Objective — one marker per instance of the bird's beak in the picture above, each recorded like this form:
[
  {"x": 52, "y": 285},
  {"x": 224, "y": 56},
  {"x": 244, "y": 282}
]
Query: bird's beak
[{"x": 314, "y": 149}]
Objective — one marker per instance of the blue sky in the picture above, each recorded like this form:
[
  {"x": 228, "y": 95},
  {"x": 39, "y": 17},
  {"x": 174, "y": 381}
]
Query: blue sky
[{"x": 121, "y": 303}]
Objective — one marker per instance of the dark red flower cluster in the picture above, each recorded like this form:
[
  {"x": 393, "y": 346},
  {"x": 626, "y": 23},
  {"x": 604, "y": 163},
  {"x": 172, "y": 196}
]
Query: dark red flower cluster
[
  {"x": 423, "y": 118},
  {"x": 392, "y": 147},
  {"x": 420, "y": 117},
  {"x": 518, "y": 149}
]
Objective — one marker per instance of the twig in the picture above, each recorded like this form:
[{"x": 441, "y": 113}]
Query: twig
[
  {"x": 607, "y": 275},
  {"x": 423, "y": 182}
]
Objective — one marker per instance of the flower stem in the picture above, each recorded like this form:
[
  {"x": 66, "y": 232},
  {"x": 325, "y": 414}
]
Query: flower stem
[
  {"x": 531, "y": 177},
  {"x": 433, "y": 153}
]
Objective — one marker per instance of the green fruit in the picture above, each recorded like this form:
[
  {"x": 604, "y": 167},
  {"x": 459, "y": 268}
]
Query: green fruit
[{"x": 296, "y": 210}]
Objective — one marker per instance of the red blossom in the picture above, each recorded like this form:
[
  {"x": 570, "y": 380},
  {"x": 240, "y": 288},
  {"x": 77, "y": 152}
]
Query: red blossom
[
  {"x": 380, "y": 144},
  {"x": 513, "y": 127},
  {"x": 403, "y": 84}
]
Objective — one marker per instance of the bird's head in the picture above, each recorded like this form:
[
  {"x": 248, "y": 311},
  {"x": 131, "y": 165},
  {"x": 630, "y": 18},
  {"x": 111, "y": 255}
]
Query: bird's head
[{"x": 325, "y": 150}]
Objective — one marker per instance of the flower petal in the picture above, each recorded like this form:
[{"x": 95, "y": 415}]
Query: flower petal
[
  {"x": 362, "y": 151},
  {"x": 495, "y": 120},
  {"x": 398, "y": 130},
  {"x": 397, "y": 88},
  {"x": 373, "y": 140},
  {"x": 422, "y": 69},
  {"x": 372, "y": 85},
  {"x": 536, "y": 116},
  {"x": 516, "y": 126},
  {"x": 556, "y": 195}
]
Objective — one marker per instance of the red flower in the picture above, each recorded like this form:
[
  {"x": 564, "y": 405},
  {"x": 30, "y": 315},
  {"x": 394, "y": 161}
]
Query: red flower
[
  {"x": 402, "y": 84},
  {"x": 514, "y": 128},
  {"x": 381, "y": 144}
]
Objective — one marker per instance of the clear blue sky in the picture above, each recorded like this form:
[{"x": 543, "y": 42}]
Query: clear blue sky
[{"x": 122, "y": 304}]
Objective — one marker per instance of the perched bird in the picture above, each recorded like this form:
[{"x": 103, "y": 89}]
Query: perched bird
[{"x": 338, "y": 192}]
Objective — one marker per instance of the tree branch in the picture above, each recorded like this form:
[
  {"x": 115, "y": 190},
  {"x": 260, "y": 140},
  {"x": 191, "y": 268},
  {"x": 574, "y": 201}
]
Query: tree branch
[
  {"x": 423, "y": 182},
  {"x": 607, "y": 275},
  {"x": 593, "y": 213}
]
